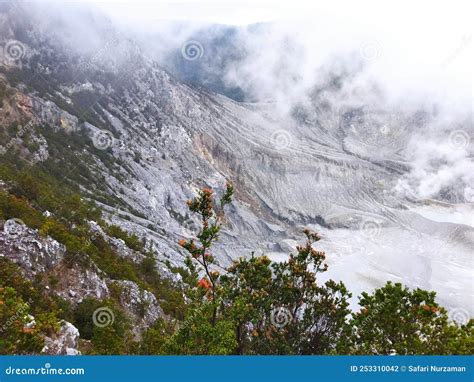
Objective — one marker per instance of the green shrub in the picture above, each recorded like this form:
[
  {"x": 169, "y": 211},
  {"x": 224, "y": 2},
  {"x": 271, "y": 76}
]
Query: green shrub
[
  {"x": 131, "y": 240},
  {"x": 104, "y": 324},
  {"x": 18, "y": 334}
]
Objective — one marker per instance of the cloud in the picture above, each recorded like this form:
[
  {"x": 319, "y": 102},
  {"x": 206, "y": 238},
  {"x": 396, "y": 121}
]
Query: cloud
[
  {"x": 421, "y": 50},
  {"x": 440, "y": 163}
]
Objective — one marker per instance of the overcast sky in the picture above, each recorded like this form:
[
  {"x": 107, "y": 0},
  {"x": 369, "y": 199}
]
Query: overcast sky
[
  {"x": 455, "y": 15},
  {"x": 417, "y": 46}
]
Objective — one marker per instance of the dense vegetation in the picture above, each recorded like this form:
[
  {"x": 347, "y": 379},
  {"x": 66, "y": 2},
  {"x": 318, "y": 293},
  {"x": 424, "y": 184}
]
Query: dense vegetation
[{"x": 253, "y": 307}]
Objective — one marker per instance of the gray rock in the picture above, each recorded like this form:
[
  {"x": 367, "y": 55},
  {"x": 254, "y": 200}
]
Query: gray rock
[
  {"x": 25, "y": 247},
  {"x": 64, "y": 342},
  {"x": 288, "y": 245},
  {"x": 76, "y": 283},
  {"x": 141, "y": 305}
]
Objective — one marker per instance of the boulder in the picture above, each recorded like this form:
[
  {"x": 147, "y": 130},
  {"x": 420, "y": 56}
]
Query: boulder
[{"x": 64, "y": 342}]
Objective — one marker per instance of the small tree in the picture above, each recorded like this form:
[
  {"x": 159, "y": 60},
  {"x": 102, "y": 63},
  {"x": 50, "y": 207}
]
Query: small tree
[
  {"x": 280, "y": 308},
  {"x": 201, "y": 332},
  {"x": 198, "y": 335},
  {"x": 211, "y": 216}
]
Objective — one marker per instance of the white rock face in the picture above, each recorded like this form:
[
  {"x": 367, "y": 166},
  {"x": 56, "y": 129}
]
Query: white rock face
[
  {"x": 140, "y": 304},
  {"x": 36, "y": 254},
  {"x": 64, "y": 342},
  {"x": 25, "y": 247},
  {"x": 75, "y": 284},
  {"x": 288, "y": 245}
]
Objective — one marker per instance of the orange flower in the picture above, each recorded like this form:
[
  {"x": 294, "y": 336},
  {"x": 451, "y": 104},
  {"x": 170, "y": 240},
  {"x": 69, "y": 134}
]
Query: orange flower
[
  {"x": 203, "y": 283},
  {"x": 182, "y": 242},
  {"x": 27, "y": 330}
]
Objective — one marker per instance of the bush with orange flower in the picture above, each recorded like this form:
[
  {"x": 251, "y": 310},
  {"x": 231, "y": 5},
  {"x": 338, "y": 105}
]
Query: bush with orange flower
[
  {"x": 260, "y": 307},
  {"x": 211, "y": 215}
]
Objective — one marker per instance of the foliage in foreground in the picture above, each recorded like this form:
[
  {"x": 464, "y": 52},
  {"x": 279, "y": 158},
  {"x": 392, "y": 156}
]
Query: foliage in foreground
[{"x": 260, "y": 307}]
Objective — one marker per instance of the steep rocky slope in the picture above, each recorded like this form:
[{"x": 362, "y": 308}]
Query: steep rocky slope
[{"x": 334, "y": 163}]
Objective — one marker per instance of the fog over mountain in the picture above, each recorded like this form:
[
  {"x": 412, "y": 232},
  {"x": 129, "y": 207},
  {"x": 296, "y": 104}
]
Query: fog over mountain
[{"x": 335, "y": 124}]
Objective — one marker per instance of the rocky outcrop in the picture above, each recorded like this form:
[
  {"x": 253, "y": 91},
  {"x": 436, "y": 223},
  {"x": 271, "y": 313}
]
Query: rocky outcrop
[
  {"x": 36, "y": 254},
  {"x": 75, "y": 284},
  {"x": 118, "y": 245},
  {"x": 141, "y": 305},
  {"x": 64, "y": 342},
  {"x": 25, "y": 247}
]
